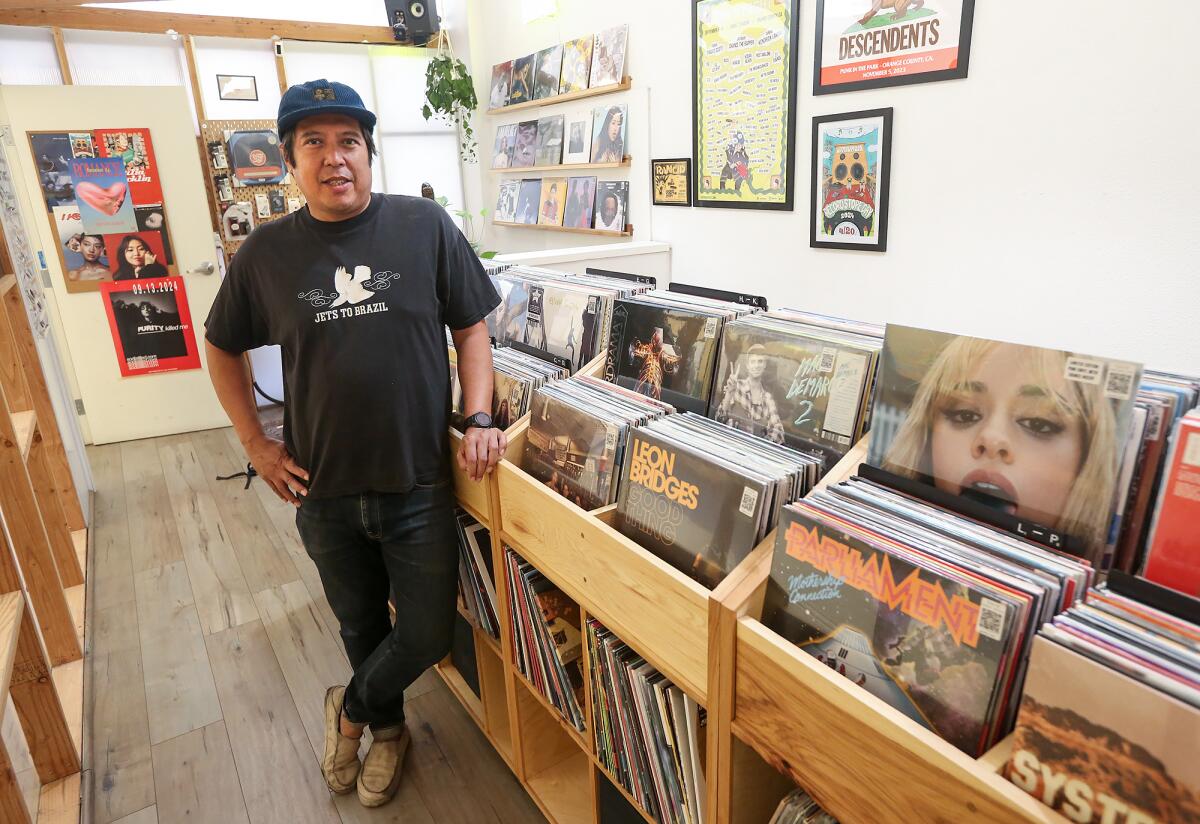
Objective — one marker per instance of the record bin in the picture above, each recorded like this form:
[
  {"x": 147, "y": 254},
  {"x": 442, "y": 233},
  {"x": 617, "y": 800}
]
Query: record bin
[{"x": 859, "y": 758}]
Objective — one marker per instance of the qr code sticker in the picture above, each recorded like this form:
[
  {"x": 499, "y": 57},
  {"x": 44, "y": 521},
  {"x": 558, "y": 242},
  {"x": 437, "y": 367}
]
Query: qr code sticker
[
  {"x": 828, "y": 356},
  {"x": 749, "y": 500},
  {"x": 1120, "y": 381},
  {"x": 710, "y": 328},
  {"x": 610, "y": 439},
  {"x": 990, "y": 623}
]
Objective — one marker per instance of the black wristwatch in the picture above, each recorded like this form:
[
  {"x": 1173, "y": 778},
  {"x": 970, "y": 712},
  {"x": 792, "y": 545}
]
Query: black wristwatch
[{"x": 481, "y": 419}]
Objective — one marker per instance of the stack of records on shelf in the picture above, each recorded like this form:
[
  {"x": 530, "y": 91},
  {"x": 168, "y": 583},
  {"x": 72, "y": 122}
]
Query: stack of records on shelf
[
  {"x": 561, "y": 313},
  {"x": 476, "y": 576},
  {"x": 927, "y": 610},
  {"x": 1158, "y": 535},
  {"x": 577, "y": 433},
  {"x": 649, "y": 733},
  {"x": 515, "y": 377},
  {"x": 1110, "y": 720},
  {"x": 665, "y": 345},
  {"x": 798, "y": 807},
  {"x": 701, "y": 496},
  {"x": 1030, "y": 439},
  {"x": 547, "y": 642},
  {"x": 799, "y": 379},
  {"x": 494, "y": 267}
]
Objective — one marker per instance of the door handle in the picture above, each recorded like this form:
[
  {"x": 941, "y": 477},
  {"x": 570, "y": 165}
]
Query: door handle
[{"x": 206, "y": 267}]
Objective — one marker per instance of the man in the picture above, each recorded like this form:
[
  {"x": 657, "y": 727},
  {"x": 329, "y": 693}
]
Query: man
[{"x": 357, "y": 288}]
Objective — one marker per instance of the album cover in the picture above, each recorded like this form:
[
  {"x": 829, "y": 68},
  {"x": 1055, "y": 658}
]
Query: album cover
[
  {"x": 554, "y": 201},
  {"x": 505, "y": 147},
  {"x": 668, "y": 353},
  {"x": 581, "y": 197},
  {"x": 136, "y": 255},
  {"x": 52, "y": 156},
  {"x": 1087, "y": 732},
  {"x": 699, "y": 516},
  {"x": 507, "y": 322},
  {"x": 525, "y": 152},
  {"x": 520, "y": 89},
  {"x": 237, "y": 220},
  {"x": 576, "y": 65},
  {"x": 134, "y": 148},
  {"x": 152, "y": 218},
  {"x": 102, "y": 193},
  {"x": 612, "y": 198},
  {"x": 508, "y": 394},
  {"x": 608, "y": 56},
  {"x": 577, "y": 137},
  {"x": 549, "y": 140},
  {"x": 608, "y": 133},
  {"x": 506, "y": 202},
  {"x": 1034, "y": 433},
  {"x": 529, "y": 201},
  {"x": 501, "y": 75},
  {"x": 563, "y": 322},
  {"x": 256, "y": 158},
  {"x": 925, "y": 643},
  {"x": 570, "y": 451},
  {"x": 83, "y": 144},
  {"x": 84, "y": 258},
  {"x": 151, "y": 326},
  {"x": 549, "y": 65},
  {"x": 804, "y": 392},
  {"x": 276, "y": 199}
]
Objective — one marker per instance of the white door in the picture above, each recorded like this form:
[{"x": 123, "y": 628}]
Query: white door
[{"x": 117, "y": 408}]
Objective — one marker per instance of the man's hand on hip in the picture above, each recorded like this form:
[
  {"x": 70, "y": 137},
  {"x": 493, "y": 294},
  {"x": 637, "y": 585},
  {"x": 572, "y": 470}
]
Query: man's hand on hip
[
  {"x": 481, "y": 449},
  {"x": 271, "y": 461}
]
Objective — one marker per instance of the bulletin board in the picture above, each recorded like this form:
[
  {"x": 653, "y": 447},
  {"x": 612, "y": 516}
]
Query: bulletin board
[{"x": 252, "y": 147}]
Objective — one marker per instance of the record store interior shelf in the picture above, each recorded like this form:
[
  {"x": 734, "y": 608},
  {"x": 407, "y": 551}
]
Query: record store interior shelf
[
  {"x": 551, "y": 228},
  {"x": 565, "y": 168},
  {"x": 623, "y": 86},
  {"x": 862, "y": 760}
]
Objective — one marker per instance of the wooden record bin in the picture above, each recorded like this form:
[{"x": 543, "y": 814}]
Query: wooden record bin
[
  {"x": 777, "y": 718},
  {"x": 859, "y": 758}
]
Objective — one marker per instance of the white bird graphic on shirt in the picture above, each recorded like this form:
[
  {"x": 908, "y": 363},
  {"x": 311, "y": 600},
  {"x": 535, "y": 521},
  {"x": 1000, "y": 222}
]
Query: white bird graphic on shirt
[{"x": 350, "y": 287}]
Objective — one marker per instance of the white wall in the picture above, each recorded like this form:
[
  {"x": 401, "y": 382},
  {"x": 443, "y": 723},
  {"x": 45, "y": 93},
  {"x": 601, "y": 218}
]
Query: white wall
[
  {"x": 28, "y": 57},
  {"x": 237, "y": 55},
  {"x": 1028, "y": 202}
]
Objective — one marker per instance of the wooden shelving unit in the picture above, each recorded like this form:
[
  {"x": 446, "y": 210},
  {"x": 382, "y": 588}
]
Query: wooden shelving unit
[
  {"x": 776, "y": 717},
  {"x": 554, "y": 100},
  {"x": 41, "y": 565},
  {"x": 551, "y": 228},
  {"x": 565, "y": 168}
]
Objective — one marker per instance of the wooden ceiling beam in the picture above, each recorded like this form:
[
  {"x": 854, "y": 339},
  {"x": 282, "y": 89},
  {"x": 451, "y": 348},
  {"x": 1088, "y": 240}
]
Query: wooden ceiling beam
[
  {"x": 29, "y": 5},
  {"x": 153, "y": 22}
]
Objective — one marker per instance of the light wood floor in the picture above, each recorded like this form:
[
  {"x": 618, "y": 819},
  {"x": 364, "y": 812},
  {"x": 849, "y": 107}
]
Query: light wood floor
[{"x": 213, "y": 645}]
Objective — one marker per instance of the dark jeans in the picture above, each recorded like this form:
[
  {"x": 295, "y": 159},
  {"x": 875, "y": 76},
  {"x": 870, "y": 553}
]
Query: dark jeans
[{"x": 365, "y": 547}]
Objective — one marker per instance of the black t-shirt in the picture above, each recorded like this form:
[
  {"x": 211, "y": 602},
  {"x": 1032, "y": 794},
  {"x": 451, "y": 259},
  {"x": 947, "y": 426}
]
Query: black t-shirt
[{"x": 359, "y": 308}]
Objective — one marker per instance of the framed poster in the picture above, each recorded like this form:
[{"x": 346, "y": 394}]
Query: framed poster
[
  {"x": 743, "y": 102},
  {"x": 103, "y": 195},
  {"x": 237, "y": 87},
  {"x": 672, "y": 181},
  {"x": 851, "y": 164},
  {"x": 151, "y": 326},
  {"x": 869, "y": 44}
]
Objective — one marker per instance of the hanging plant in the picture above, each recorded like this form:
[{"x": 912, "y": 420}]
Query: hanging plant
[{"x": 450, "y": 96}]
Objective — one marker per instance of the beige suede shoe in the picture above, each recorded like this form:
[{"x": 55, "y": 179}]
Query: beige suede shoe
[
  {"x": 340, "y": 763},
  {"x": 381, "y": 770}
]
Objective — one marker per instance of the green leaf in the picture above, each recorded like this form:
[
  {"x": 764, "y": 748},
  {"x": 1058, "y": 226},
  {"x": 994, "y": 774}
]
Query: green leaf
[{"x": 488, "y": 255}]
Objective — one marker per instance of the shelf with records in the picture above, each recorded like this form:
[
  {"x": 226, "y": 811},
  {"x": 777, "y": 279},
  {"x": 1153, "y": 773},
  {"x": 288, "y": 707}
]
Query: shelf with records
[
  {"x": 628, "y": 231},
  {"x": 566, "y": 167},
  {"x": 625, "y": 85},
  {"x": 584, "y": 67}
]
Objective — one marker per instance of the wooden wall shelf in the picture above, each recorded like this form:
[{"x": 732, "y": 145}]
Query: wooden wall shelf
[
  {"x": 564, "y": 168},
  {"x": 623, "y": 86},
  {"x": 549, "y": 228}
]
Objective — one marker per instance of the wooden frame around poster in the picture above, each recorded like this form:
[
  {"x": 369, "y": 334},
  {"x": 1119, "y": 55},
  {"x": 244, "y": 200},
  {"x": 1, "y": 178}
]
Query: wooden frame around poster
[
  {"x": 702, "y": 195},
  {"x": 904, "y": 74},
  {"x": 77, "y": 286}
]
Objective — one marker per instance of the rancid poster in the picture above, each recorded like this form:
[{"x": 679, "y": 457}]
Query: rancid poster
[
  {"x": 866, "y": 44},
  {"x": 151, "y": 325},
  {"x": 743, "y": 95}
]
